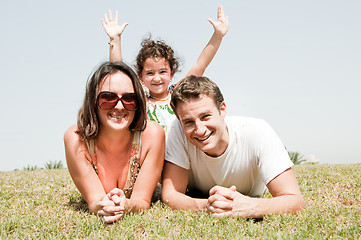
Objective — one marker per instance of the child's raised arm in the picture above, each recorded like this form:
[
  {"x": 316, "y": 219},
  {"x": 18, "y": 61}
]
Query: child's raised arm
[
  {"x": 114, "y": 32},
  {"x": 220, "y": 30}
]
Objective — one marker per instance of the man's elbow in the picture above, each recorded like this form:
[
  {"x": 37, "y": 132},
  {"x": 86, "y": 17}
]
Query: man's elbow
[
  {"x": 166, "y": 198},
  {"x": 301, "y": 203},
  {"x": 169, "y": 198},
  {"x": 298, "y": 204}
]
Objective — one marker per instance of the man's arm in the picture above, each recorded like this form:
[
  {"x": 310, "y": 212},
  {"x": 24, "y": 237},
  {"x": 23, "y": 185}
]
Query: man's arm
[
  {"x": 286, "y": 194},
  {"x": 284, "y": 188},
  {"x": 175, "y": 180}
]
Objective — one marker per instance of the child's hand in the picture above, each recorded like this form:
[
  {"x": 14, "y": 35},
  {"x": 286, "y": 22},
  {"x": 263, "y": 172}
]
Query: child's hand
[
  {"x": 111, "y": 26},
  {"x": 222, "y": 24}
]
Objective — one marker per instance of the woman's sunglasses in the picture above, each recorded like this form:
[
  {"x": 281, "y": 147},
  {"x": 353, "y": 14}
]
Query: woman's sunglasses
[{"x": 108, "y": 100}]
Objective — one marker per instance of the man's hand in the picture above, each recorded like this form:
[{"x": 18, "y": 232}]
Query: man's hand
[
  {"x": 226, "y": 202},
  {"x": 286, "y": 197},
  {"x": 220, "y": 201},
  {"x": 244, "y": 206}
]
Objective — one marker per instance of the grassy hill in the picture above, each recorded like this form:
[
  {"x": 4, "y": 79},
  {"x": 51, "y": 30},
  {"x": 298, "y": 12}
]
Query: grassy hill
[{"x": 46, "y": 204}]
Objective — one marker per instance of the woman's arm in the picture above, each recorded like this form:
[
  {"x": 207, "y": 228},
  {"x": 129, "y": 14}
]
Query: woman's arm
[
  {"x": 114, "y": 31},
  {"x": 220, "y": 30},
  {"x": 152, "y": 158},
  {"x": 81, "y": 171}
]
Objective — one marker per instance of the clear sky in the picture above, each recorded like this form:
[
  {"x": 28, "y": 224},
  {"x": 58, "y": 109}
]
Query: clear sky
[{"x": 296, "y": 64}]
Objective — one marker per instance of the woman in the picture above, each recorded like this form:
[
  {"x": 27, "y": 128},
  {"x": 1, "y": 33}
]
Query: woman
[{"x": 114, "y": 156}]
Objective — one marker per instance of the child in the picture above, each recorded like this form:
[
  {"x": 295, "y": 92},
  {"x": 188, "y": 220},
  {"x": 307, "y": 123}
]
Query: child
[{"x": 156, "y": 64}]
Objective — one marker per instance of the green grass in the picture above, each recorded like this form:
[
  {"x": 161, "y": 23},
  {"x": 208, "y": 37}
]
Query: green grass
[{"x": 45, "y": 204}]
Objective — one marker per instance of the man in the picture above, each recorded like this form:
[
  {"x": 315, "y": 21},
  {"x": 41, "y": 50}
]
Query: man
[{"x": 233, "y": 159}]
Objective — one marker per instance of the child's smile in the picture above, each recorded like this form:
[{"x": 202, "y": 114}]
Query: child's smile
[{"x": 156, "y": 76}]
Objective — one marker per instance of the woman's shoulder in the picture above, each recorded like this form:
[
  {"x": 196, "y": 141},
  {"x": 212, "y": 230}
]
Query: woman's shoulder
[
  {"x": 71, "y": 136},
  {"x": 153, "y": 129},
  {"x": 153, "y": 133},
  {"x": 71, "y": 132},
  {"x": 74, "y": 145},
  {"x": 153, "y": 139}
]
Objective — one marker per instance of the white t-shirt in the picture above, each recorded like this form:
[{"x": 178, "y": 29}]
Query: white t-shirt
[{"x": 255, "y": 155}]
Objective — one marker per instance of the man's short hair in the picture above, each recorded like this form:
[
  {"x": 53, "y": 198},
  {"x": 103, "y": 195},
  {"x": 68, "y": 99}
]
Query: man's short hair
[{"x": 192, "y": 87}]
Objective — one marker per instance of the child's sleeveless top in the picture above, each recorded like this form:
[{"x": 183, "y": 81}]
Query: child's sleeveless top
[
  {"x": 160, "y": 113},
  {"x": 134, "y": 165}
]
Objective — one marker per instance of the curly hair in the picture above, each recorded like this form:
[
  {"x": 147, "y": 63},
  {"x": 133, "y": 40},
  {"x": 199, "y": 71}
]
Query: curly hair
[
  {"x": 88, "y": 122},
  {"x": 156, "y": 49}
]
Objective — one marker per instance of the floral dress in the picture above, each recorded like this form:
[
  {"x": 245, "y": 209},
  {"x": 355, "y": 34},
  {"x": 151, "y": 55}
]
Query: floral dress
[{"x": 161, "y": 113}]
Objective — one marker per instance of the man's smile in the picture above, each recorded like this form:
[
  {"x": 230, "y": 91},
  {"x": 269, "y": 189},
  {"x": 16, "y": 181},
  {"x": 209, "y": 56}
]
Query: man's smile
[{"x": 204, "y": 138}]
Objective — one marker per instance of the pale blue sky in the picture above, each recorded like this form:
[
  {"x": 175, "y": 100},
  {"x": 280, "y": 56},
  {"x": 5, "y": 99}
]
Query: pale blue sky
[{"x": 296, "y": 64}]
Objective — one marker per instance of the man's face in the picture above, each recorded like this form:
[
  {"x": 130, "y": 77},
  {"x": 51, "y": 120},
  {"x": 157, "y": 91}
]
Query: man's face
[{"x": 203, "y": 124}]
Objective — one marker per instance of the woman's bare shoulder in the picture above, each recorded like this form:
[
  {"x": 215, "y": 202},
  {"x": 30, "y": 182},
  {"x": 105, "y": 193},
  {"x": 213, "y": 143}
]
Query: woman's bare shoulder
[
  {"x": 71, "y": 133},
  {"x": 153, "y": 134},
  {"x": 153, "y": 129},
  {"x": 75, "y": 148}
]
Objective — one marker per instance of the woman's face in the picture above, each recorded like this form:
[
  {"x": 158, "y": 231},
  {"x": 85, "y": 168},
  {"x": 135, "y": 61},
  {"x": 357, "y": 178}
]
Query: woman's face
[{"x": 118, "y": 118}]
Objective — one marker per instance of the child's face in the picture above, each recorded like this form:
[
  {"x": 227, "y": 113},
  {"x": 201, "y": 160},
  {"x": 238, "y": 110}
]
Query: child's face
[{"x": 156, "y": 76}]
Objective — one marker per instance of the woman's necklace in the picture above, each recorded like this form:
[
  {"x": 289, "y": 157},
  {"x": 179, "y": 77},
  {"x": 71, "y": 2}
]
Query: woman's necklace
[{"x": 160, "y": 99}]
